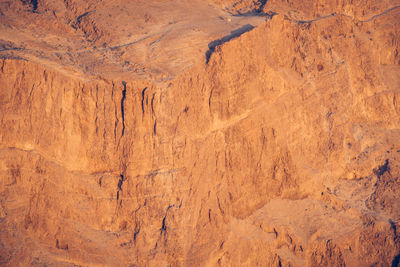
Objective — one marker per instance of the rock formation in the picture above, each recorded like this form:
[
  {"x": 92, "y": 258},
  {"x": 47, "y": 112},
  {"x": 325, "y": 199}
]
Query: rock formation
[{"x": 199, "y": 133}]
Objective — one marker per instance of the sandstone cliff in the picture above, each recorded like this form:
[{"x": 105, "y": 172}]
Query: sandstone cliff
[{"x": 219, "y": 133}]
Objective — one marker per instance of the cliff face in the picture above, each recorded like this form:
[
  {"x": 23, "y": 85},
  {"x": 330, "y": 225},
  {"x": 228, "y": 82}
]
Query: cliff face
[{"x": 268, "y": 137}]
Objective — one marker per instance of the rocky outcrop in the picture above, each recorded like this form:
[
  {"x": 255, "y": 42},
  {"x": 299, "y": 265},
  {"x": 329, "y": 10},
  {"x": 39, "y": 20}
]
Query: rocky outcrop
[{"x": 279, "y": 149}]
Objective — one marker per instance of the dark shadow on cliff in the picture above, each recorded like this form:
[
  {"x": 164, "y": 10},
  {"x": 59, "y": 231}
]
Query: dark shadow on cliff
[
  {"x": 396, "y": 261},
  {"x": 259, "y": 11},
  {"x": 33, "y": 4},
  {"x": 236, "y": 33}
]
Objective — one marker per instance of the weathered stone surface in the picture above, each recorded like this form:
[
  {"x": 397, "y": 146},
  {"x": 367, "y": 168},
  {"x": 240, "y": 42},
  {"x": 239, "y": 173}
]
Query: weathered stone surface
[{"x": 262, "y": 134}]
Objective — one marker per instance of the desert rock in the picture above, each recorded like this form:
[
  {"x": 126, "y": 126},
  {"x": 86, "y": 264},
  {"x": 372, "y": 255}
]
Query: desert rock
[{"x": 199, "y": 133}]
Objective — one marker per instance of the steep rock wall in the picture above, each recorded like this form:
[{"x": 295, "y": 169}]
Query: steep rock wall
[{"x": 282, "y": 149}]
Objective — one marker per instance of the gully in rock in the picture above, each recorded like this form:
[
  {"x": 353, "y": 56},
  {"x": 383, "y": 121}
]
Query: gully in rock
[{"x": 122, "y": 108}]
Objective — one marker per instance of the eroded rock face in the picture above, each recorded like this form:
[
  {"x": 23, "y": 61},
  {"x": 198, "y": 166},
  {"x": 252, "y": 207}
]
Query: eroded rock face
[{"x": 280, "y": 146}]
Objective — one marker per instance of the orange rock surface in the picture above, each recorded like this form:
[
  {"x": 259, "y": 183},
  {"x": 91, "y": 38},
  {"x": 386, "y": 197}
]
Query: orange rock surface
[{"x": 199, "y": 133}]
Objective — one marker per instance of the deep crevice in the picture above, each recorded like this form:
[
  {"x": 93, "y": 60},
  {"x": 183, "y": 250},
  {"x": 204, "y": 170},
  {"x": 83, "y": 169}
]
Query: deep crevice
[
  {"x": 209, "y": 98},
  {"x": 143, "y": 92},
  {"x": 122, "y": 108},
  {"x": 120, "y": 182},
  {"x": 163, "y": 227},
  {"x": 152, "y": 103},
  {"x": 163, "y": 224},
  {"x": 136, "y": 232}
]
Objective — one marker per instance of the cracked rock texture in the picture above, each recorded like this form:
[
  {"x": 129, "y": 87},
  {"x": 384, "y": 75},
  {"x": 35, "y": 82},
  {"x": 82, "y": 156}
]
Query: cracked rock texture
[{"x": 199, "y": 133}]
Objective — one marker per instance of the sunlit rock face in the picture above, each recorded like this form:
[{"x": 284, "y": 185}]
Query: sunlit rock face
[{"x": 199, "y": 133}]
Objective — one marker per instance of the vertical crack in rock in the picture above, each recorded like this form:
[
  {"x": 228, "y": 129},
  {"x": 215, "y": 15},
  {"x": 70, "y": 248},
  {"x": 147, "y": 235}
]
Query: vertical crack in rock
[
  {"x": 209, "y": 98},
  {"x": 120, "y": 182},
  {"x": 143, "y": 93},
  {"x": 163, "y": 228},
  {"x": 122, "y": 108},
  {"x": 219, "y": 206},
  {"x": 136, "y": 231},
  {"x": 152, "y": 103}
]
